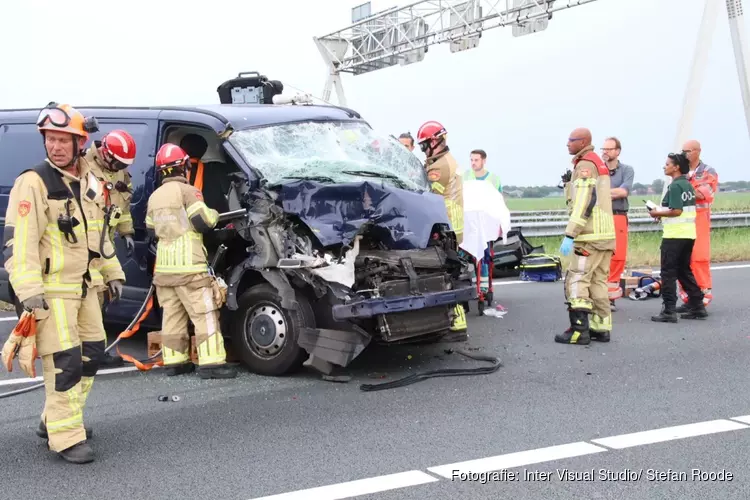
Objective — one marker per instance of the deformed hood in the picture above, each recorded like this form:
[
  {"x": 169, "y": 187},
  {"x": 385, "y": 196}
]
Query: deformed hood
[{"x": 336, "y": 212}]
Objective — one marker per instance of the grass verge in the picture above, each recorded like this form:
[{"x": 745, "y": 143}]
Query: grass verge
[{"x": 727, "y": 245}]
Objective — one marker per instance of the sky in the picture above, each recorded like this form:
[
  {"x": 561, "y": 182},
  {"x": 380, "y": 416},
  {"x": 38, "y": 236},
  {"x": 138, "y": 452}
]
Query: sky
[{"x": 618, "y": 67}]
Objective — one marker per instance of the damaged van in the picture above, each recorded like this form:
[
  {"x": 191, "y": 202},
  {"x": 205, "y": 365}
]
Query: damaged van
[{"x": 330, "y": 238}]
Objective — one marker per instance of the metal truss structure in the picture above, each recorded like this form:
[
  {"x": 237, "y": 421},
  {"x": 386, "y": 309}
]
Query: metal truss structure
[
  {"x": 700, "y": 61},
  {"x": 402, "y": 35}
]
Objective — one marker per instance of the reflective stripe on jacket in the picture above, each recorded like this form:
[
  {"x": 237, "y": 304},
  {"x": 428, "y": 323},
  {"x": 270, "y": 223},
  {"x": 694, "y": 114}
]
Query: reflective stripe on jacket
[
  {"x": 39, "y": 258},
  {"x": 178, "y": 216},
  {"x": 442, "y": 172},
  {"x": 590, "y": 203}
]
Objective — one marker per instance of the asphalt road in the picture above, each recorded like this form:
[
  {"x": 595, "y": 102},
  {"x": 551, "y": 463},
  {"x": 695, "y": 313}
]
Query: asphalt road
[{"x": 551, "y": 409}]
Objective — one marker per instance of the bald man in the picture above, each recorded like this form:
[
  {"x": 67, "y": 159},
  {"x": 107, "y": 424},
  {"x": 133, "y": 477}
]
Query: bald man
[
  {"x": 590, "y": 238},
  {"x": 705, "y": 181}
]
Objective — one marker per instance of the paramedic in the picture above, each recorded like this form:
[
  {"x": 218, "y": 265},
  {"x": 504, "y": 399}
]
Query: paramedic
[
  {"x": 479, "y": 172},
  {"x": 705, "y": 182},
  {"x": 677, "y": 213},
  {"x": 621, "y": 183}
]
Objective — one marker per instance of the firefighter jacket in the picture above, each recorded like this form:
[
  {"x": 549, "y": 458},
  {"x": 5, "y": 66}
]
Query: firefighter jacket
[
  {"x": 116, "y": 188},
  {"x": 705, "y": 181},
  {"x": 445, "y": 180},
  {"x": 590, "y": 202},
  {"x": 51, "y": 234},
  {"x": 178, "y": 216}
]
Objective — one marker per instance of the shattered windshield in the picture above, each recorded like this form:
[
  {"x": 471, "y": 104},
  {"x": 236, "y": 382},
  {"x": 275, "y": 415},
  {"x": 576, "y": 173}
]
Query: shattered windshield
[{"x": 329, "y": 152}]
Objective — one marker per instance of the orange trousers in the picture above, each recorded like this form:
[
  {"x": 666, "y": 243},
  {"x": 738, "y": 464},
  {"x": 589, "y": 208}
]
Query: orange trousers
[
  {"x": 700, "y": 262},
  {"x": 617, "y": 264}
]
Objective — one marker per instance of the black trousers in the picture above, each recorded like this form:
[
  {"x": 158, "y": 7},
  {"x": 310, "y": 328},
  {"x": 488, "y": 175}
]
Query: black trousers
[{"x": 675, "y": 265}]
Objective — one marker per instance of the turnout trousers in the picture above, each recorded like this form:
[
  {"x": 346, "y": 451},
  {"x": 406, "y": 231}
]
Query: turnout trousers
[
  {"x": 676, "y": 256},
  {"x": 196, "y": 304},
  {"x": 585, "y": 285},
  {"x": 70, "y": 341},
  {"x": 617, "y": 266}
]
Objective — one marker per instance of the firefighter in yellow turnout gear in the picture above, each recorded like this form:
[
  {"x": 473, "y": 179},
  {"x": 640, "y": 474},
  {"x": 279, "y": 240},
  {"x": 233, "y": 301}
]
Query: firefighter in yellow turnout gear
[
  {"x": 177, "y": 216},
  {"x": 108, "y": 160},
  {"x": 445, "y": 180},
  {"x": 48, "y": 246},
  {"x": 590, "y": 236}
]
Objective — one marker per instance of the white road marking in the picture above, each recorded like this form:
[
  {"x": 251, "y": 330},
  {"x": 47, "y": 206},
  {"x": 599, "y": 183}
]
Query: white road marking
[
  {"x": 517, "y": 459},
  {"x": 106, "y": 371},
  {"x": 9, "y": 318},
  {"x": 512, "y": 460},
  {"x": 356, "y": 488},
  {"x": 738, "y": 266},
  {"x": 669, "y": 434}
]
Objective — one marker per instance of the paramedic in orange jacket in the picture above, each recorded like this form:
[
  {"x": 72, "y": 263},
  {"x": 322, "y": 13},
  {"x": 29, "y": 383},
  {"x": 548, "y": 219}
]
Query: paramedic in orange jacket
[{"x": 705, "y": 181}]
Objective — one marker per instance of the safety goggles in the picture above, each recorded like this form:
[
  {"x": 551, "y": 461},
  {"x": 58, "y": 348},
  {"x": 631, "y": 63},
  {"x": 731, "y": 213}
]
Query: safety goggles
[{"x": 54, "y": 115}]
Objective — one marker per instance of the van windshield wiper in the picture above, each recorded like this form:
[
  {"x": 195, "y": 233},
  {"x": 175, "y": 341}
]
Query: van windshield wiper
[
  {"x": 321, "y": 178},
  {"x": 372, "y": 173}
]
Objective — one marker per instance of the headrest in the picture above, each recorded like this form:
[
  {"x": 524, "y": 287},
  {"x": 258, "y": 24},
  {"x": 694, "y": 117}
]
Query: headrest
[{"x": 194, "y": 145}]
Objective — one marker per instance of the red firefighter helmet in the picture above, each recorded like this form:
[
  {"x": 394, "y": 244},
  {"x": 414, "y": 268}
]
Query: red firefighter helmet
[
  {"x": 120, "y": 146},
  {"x": 171, "y": 156},
  {"x": 430, "y": 130}
]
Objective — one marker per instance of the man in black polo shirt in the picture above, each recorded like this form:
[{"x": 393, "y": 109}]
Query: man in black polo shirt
[{"x": 621, "y": 183}]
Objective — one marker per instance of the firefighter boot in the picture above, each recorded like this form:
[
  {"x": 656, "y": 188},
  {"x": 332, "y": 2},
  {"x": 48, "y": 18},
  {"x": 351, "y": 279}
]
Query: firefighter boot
[
  {"x": 217, "y": 371},
  {"x": 41, "y": 431},
  {"x": 695, "y": 312},
  {"x": 80, "y": 453},
  {"x": 578, "y": 333},
  {"x": 179, "y": 369},
  {"x": 459, "y": 328},
  {"x": 667, "y": 315}
]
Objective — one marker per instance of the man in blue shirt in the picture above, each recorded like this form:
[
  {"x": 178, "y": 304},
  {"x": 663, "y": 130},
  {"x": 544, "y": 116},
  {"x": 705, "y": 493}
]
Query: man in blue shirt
[{"x": 479, "y": 172}]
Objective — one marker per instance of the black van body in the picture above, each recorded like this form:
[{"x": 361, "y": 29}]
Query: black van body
[{"x": 408, "y": 273}]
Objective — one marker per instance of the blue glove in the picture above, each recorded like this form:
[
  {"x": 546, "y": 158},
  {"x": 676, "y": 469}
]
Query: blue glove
[{"x": 567, "y": 246}]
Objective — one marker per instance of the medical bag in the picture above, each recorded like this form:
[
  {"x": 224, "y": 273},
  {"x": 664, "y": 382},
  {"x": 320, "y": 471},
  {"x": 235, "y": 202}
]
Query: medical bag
[{"x": 540, "y": 267}]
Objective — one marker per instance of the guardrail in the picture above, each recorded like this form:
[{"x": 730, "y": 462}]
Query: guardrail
[{"x": 553, "y": 222}]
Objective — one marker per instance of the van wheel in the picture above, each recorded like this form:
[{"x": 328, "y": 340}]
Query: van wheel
[{"x": 265, "y": 334}]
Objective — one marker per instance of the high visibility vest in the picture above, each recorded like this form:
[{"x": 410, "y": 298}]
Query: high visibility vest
[
  {"x": 682, "y": 226},
  {"x": 493, "y": 179}
]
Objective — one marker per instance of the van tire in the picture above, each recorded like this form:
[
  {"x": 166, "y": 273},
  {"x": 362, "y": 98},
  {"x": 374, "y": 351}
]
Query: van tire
[{"x": 259, "y": 311}]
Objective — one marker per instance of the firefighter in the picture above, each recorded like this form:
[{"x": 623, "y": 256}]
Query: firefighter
[
  {"x": 678, "y": 214},
  {"x": 445, "y": 180},
  {"x": 590, "y": 235},
  {"x": 621, "y": 183},
  {"x": 479, "y": 171},
  {"x": 705, "y": 182},
  {"x": 49, "y": 244},
  {"x": 177, "y": 216},
  {"x": 108, "y": 160}
]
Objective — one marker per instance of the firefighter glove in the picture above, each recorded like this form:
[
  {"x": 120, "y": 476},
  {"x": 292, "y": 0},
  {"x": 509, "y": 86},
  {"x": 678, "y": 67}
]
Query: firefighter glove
[
  {"x": 115, "y": 289},
  {"x": 130, "y": 244},
  {"x": 567, "y": 246},
  {"x": 21, "y": 343},
  {"x": 35, "y": 302}
]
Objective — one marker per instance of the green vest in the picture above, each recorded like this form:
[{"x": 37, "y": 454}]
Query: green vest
[
  {"x": 493, "y": 179},
  {"x": 680, "y": 195}
]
